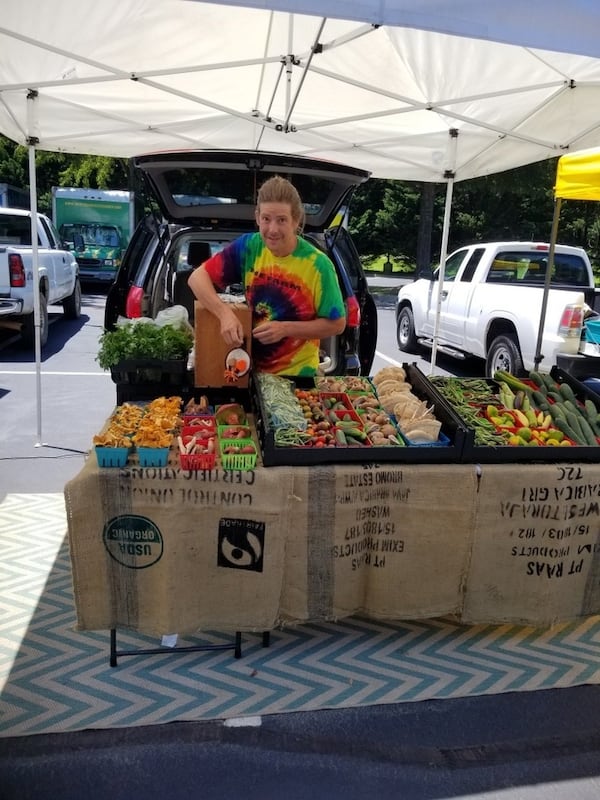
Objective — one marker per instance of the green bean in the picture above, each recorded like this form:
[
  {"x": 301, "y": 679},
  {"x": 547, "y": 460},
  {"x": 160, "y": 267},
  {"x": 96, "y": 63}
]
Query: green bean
[{"x": 281, "y": 404}]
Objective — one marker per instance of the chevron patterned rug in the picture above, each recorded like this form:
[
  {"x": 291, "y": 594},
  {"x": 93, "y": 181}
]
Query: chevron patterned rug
[{"x": 55, "y": 679}]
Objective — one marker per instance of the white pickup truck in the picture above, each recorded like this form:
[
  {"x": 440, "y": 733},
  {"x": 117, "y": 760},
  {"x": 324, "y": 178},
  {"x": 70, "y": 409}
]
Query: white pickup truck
[
  {"x": 491, "y": 303},
  {"x": 58, "y": 274}
]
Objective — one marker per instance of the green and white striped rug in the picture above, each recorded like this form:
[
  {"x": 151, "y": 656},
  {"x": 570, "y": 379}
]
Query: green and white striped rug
[{"x": 55, "y": 679}]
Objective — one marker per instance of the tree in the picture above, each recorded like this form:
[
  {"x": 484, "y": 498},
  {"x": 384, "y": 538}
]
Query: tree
[{"x": 59, "y": 169}]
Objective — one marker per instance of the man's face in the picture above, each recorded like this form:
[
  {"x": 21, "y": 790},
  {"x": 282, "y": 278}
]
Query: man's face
[{"x": 277, "y": 227}]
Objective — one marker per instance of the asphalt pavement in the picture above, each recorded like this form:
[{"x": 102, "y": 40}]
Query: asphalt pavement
[{"x": 540, "y": 745}]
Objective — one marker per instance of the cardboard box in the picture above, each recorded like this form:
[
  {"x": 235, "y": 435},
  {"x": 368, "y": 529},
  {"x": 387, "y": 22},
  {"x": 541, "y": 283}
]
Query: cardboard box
[{"x": 213, "y": 356}]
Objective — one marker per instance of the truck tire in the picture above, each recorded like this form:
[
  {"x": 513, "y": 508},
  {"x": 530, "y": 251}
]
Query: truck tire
[
  {"x": 72, "y": 303},
  {"x": 28, "y": 326},
  {"x": 504, "y": 354},
  {"x": 405, "y": 331}
]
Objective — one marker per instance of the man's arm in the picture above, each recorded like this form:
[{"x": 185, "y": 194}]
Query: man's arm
[
  {"x": 319, "y": 328},
  {"x": 205, "y": 292}
]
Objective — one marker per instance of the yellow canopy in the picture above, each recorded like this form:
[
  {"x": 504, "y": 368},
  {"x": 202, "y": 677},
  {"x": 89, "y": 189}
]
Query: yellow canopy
[{"x": 578, "y": 175}]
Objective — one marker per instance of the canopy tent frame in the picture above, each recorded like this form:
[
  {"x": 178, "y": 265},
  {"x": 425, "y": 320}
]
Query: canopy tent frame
[{"x": 295, "y": 89}]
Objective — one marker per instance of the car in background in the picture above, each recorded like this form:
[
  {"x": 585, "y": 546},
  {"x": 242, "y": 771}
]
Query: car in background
[{"x": 203, "y": 199}]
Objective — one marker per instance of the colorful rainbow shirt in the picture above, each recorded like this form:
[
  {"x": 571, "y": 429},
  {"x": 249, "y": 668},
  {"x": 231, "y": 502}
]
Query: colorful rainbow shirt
[{"x": 301, "y": 286}]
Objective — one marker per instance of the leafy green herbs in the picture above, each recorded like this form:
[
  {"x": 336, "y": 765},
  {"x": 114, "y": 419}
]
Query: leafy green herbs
[{"x": 143, "y": 340}]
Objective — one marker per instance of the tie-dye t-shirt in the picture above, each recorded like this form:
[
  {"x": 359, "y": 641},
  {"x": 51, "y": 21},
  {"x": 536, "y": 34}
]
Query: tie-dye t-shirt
[{"x": 301, "y": 286}]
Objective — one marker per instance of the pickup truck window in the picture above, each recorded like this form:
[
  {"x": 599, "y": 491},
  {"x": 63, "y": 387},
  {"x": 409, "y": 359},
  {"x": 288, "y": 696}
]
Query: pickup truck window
[
  {"x": 455, "y": 261},
  {"x": 471, "y": 265},
  {"x": 15, "y": 229},
  {"x": 530, "y": 268},
  {"x": 51, "y": 234}
]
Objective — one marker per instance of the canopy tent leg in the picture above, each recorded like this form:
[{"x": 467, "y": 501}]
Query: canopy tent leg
[
  {"x": 553, "y": 237},
  {"x": 32, "y": 141},
  {"x": 449, "y": 175}
]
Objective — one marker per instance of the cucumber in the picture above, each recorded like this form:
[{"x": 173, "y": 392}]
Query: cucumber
[
  {"x": 538, "y": 380},
  {"x": 557, "y": 412},
  {"x": 564, "y": 426},
  {"x": 558, "y": 398},
  {"x": 551, "y": 384},
  {"x": 571, "y": 406},
  {"x": 591, "y": 412},
  {"x": 587, "y": 431},
  {"x": 573, "y": 421},
  {"x": 567, "y": 392}
]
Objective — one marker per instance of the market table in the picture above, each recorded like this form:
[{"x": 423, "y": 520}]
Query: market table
[{"x": 161, "y": 550}]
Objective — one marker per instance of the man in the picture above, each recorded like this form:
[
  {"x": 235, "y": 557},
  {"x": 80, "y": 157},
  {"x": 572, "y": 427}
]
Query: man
[{"x": 290, "y": 285}]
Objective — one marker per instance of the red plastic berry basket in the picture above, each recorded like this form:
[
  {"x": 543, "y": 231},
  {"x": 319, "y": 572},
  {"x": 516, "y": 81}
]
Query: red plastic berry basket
[
  {"x": 192, "y": 462},
  {"x": 335, "y": 397},
  {"x": 349, "y": 415},
  {"x": 201, "y": 422}
]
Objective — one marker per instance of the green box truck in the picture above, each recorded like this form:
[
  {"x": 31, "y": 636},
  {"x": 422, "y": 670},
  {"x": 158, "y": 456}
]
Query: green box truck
[{"x": 104, "y": 218}]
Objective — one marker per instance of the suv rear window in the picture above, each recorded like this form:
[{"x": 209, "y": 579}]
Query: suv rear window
[{"x": 191, "y": 187}]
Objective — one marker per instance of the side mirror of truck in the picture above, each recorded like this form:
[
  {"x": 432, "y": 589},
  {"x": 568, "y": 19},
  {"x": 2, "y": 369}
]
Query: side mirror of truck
[{"x": 427, "y": 274}]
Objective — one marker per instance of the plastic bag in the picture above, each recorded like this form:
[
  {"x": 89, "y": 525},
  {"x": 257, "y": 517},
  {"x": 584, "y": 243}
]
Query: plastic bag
[{"x": 177, "y": 316}]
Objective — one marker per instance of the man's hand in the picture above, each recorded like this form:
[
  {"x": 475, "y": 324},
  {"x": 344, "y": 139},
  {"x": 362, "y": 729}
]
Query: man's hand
[
  {"x": 232, "y": 330},
  {"x": 269, "y": 332}
]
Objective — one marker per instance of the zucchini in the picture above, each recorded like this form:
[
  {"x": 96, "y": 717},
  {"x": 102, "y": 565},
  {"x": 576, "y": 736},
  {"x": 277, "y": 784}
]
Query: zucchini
[{"x": 513, "y": 383}]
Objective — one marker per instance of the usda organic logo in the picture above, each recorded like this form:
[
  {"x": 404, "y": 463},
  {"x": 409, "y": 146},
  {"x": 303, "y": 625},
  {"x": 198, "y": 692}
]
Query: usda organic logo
[{"x": 132, "y": 540}]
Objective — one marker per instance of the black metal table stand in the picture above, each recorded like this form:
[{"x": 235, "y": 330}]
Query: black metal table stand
[{"x": 236, "y": 646}]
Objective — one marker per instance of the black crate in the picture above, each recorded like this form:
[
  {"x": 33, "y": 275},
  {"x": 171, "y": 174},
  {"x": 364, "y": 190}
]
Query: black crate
[
  {"x": 410, "y": 454},
  {"x": 507, "y": 454},
  {"x": 148, "y": 378},
  {"x": 151, "y": 370}
]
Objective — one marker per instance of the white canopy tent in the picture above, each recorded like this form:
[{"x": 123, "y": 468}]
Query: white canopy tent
[{"x": 124, "y": 77}]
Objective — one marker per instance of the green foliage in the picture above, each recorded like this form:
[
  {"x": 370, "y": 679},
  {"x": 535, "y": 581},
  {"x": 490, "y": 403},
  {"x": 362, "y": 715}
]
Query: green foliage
[
  {"x": 60, "y": 169},
  {"x": 385, "y": 214},
  {"x": 515, "y": 204},
  {"x": 143, "y": 340}
]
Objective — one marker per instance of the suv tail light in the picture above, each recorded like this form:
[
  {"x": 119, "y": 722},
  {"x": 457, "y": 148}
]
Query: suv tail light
[
  {"x": 352, "y": 312},
  {"x": 571, "y": 321},
  {"x": 133, "y": 304},
  {"x": 16, "y": 270}
]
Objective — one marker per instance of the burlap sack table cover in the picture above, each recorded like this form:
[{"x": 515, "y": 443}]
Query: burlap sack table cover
[
  {"x": 536, "y": 549},
  {"x": 168, "y": 551},
  {"x": 386, "y": 541},
  {"x": 160, "y": 550}
]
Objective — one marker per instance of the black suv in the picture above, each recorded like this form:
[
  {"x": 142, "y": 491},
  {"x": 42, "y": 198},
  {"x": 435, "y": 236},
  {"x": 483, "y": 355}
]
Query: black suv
[{"x": 206, "y": 198}]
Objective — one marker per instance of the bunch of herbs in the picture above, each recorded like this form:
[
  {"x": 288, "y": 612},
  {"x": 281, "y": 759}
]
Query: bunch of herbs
[{"x": 143, "y": 340}]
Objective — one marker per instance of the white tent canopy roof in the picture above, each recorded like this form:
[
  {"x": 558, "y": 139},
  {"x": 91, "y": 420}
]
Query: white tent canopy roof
[
  {"x": 568, "y": 27},
  {"x": 123, "y": 77}
]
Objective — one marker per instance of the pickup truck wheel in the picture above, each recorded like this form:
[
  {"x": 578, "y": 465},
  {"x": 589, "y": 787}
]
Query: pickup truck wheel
[
  {"x": 28, "y": 327},
  {"x": 72, "y": 303},
  {"x": 405, "y": 331},
  {"x": 504, "y": 355}
]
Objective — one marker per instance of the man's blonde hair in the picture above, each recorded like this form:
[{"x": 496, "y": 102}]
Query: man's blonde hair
[{"x": 280, "y": 190}]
